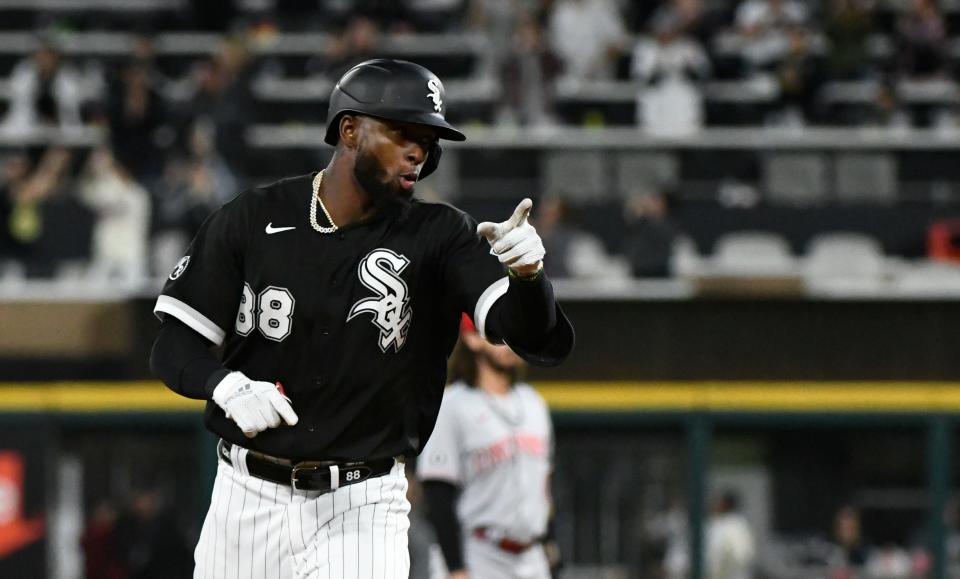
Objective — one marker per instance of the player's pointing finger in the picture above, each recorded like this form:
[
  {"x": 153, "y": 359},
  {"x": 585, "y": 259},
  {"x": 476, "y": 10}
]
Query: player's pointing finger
[{"x": 520, "y": 213}]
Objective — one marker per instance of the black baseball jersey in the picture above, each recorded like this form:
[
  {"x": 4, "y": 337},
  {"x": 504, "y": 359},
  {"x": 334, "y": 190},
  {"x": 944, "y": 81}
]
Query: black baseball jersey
[{"x": 356, "y": 324}]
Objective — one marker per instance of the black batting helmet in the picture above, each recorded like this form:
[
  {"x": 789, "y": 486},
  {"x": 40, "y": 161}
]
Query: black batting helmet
[{"x": 394, "y": 90}]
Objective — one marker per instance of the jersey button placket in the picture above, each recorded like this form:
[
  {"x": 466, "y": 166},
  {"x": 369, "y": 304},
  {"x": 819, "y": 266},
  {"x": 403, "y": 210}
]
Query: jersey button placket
[{"x": 318, "y": 381}]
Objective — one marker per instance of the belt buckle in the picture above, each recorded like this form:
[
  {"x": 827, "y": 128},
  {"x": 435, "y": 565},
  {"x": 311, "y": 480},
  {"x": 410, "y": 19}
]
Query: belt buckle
[{"x": 311, "y": 467}]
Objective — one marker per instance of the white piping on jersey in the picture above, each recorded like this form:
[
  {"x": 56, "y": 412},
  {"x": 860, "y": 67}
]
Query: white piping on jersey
[
  {"x": 189, "y": 316},
  {"x": 489, "y": 297}
]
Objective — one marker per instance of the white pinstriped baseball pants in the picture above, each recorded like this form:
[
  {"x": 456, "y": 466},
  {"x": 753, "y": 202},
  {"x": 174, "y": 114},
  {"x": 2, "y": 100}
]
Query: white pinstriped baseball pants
[{"x": 256, "y": 529}]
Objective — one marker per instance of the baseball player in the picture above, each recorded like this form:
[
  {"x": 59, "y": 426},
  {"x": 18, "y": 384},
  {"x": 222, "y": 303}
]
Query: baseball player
[
  {"x": 336, "y": 298},
  {"x": 486, "y": 469}
]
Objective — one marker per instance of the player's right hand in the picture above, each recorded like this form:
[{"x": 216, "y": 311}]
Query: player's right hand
[
  {"x": 255, "y": 406},
  {"x": 515, "y": 242}
]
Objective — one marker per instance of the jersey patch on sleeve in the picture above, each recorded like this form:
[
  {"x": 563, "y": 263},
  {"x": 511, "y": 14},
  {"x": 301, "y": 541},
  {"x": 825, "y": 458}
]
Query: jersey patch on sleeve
[{"x": 180, "y": 267}]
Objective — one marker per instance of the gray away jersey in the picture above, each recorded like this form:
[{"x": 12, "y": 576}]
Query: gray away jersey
[{"x": 498, "y": 450}]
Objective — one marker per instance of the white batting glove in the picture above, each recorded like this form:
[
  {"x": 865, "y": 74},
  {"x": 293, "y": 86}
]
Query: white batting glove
[
  {"x": 515, "y": 242},
  {"x": 254, "y": 406}
]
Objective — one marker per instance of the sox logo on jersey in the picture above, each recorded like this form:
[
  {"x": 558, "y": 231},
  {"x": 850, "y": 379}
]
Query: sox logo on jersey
[{"x": 380, "y": 271}]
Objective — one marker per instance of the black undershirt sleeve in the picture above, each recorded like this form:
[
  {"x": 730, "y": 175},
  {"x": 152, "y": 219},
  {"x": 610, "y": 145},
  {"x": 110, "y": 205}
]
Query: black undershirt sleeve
[
  {"x": 529, "y": 319},
  {"x": 182, "y": 359},
  {"x": 528, "y": 311},
  {"x": 441, "y": 499}
]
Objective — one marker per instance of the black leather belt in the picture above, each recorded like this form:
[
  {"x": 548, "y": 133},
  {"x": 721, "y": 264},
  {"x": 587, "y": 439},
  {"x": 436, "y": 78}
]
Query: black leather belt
[{"x": 324, "y": 476}]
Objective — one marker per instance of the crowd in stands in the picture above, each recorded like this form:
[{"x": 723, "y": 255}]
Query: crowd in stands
[{"x": 176, "y": 144}]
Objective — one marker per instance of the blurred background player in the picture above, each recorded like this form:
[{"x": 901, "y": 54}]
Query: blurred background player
[
  {"x": 486, "y": 468},
  {"x": 731, "y": 548}
]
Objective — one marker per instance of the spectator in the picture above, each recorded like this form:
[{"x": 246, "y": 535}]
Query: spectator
[
  {"x": 589, "y": 37},
  {"x": 887, "y": 111},
  {"x": 13, "y": 237},
  {"x": 527, "y": 75},
  {"x": 847, "y": 25},
  {"x": 184, "y": 199},
  {"x": 121, "y": 232},
  {"x": 151, "y": 543},
  {"x": 139, "y": 130},
  {"x": 852, "y": 551},
  {"x": 951, "y": 516},
  {"x": 498, "y": 21},
  {"x": 729, "y": 544},
  {"x": 44, "y": 92},
  {"x": 192, "y": 186},
  {"x": 798, "y": 76},
  {"x": 144, "y": 52},
  {"x": 359, "y": 41},
  {"x": 889, "y": 562},
  {"x": 648, "y": 242},
  {"x": 101, "y": 557},
  {"x": 670, "y": 67},
  {"x": 573, "y": 251},
  {"x": 685, "y": 18},
  {"x": 23, "y": 194},
  {"x": 552, "y": 221},
  {"x": 223, "y": 97},
  {"x": 390, "y": 15},
  {"x": 921, "y": 39},
  {"x": 763, "y": 25},
  {"x": 667, "y": 531},
  {"x": 212, "y": 176},
  {"x": 434, "y": 16}
]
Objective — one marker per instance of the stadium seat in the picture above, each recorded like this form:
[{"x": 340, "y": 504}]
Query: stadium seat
[
  {"x": 576, "y": 175},
  {"x": 753, "y": 253},
  {"x": 844, "y": 254},
  {"x": 646, "y": 172},
  {"x": 795, "y": 178},
  {"x": 844, "y": 263},
  {"x": 870, "y": 177}
]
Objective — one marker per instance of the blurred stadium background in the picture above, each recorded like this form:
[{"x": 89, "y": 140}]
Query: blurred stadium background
[{"x": 751, "y": 211}]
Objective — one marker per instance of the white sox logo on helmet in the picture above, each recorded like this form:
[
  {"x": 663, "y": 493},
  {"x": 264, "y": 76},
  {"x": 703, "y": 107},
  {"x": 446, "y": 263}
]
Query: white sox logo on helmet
[
  {"x": 380, "y": 271},
  {"x": 434, "y": 86}
]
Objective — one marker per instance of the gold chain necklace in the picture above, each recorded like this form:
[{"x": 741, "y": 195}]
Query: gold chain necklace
[{"x": 314, "y": 201}]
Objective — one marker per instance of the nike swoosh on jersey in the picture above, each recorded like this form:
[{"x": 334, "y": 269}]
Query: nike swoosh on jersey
[{"x": 271, "y": 229}]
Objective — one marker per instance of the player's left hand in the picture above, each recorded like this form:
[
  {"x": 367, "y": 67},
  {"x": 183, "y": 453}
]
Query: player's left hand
[
  {"x": 515, "y": 242},
  {"x": 253, "y": 405}
]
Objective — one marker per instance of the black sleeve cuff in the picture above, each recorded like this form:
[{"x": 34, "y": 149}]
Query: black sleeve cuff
[
  {"x": 214, "y": 379},
  {"x": 554, "y": 349}
]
